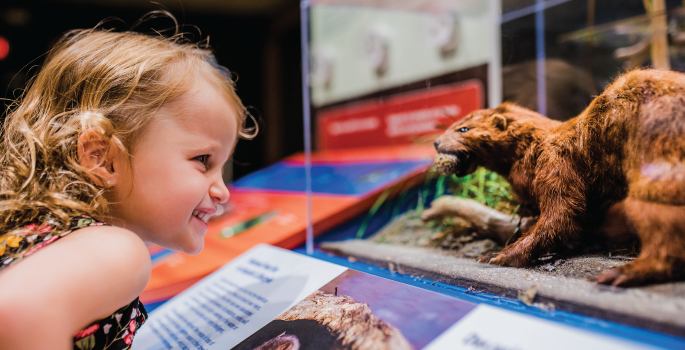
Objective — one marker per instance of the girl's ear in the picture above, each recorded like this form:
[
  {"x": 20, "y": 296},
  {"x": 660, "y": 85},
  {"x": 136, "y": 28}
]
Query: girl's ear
[{"x": 96, "y": 153}]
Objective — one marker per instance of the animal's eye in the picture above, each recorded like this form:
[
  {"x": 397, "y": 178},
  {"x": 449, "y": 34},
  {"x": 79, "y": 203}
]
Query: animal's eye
[{"x": 464, "y": 129}]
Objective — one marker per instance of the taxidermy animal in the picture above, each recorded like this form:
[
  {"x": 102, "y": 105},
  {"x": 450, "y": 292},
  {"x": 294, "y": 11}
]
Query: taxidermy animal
[{"x": 625, "y": 153}]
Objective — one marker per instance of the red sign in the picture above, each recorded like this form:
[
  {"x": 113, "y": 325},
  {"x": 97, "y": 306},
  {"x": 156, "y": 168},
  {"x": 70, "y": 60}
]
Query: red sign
[{"x": 398, "y": 119}]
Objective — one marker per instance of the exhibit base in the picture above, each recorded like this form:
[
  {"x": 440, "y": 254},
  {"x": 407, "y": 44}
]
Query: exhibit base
[
  {"x": 271, "y": 298},
  {"x": 657, "y": 307}
]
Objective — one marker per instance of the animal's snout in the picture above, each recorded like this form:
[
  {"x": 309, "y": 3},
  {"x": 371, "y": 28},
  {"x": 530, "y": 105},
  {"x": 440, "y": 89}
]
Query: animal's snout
[{"x": 436, "y": 144}]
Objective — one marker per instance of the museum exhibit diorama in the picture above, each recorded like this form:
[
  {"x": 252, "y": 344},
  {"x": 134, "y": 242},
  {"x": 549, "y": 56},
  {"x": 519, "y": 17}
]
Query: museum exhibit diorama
[{"x": 477, "y": 174}]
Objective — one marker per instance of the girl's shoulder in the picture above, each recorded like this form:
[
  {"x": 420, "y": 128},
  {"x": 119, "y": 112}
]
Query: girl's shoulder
[
  {"x": 86, "y": 274},
  {"x": 84, "y": 236},
  {"x": 25, "y": 240},
  {"x": 115, "y": 252}
]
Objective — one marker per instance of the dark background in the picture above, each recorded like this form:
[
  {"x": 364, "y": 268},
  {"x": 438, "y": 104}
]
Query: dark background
[{"x": 259, "y": 40}]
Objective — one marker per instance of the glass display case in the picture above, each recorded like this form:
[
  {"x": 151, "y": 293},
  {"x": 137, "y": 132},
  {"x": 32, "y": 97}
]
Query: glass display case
[
  {"x": 384, "y": 80},
  {"x": 380, "y": 82},
  {"x": 383, "y": 83}
]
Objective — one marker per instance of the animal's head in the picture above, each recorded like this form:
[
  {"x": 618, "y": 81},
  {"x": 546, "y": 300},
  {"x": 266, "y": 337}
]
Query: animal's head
[
  {"x": 282, "y": 342},
  {"x": 486, "y": 137}
]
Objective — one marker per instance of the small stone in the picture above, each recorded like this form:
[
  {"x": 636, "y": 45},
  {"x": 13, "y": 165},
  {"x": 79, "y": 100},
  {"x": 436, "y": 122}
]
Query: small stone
[
  {"x": 478, "y": 248},
  {"x": 528, "y": 296}
]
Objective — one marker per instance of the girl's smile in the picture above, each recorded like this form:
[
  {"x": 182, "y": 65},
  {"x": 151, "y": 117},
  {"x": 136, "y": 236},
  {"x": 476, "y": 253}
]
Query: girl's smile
[
  {"x": 203, "y": 214},
  {"x": 175, "y": 185}
]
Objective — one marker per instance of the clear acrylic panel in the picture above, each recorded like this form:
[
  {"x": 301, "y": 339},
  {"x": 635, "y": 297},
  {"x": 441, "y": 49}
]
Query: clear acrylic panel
[
  {"x": 379, "y": 77},
  {"x": 384, "y": 78},
  {"x": 597, "y": 171}
]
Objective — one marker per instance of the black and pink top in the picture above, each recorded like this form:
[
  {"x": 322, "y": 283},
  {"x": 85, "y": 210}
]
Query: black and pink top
[{"x": 114, "y": 332}]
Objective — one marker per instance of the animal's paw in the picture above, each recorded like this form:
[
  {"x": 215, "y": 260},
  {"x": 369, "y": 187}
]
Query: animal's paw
[
  {"x": 513, "y": 255},
  {"x": 494, "y": 258},
  {"x": 638, "y": 272},
  {"x": 609, "y": 277},
  {"x": 618, "y": 278}
]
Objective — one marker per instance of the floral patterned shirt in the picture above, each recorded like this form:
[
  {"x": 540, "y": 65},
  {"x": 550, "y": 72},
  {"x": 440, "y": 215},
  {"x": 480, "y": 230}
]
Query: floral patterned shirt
[{"x": 112, "y": 333}]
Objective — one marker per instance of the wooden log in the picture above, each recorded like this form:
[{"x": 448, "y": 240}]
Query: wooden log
[
  {"x": 614, "y": 229},
  {"x": 488, "y": 222}
]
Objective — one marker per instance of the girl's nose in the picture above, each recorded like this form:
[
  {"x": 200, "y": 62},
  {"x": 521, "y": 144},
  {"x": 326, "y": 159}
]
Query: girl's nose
[{"x": 219, "y": 191}]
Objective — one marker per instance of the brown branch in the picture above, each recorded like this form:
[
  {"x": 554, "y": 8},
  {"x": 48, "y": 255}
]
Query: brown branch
[{"x": 488, "y": 222}]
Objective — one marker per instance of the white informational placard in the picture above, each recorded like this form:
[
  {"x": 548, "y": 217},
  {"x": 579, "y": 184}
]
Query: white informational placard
[
  {"x": 235, "y": 301},
  {"x": 490, "y": 328}
]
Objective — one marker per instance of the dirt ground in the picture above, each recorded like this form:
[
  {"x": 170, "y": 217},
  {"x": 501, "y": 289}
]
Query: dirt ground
[
  {"x": 446, "y": 252},
  {"x": 408, "y": 229}
]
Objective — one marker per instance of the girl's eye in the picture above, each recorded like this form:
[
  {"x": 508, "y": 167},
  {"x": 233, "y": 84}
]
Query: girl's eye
[
  {"x": 202, "y": 159},
  {"x": 464, "y": 129}
]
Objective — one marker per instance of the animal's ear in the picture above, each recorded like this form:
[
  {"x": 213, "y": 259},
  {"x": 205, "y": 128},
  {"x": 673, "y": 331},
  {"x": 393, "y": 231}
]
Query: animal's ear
[
  {"x": 502, "y": 108},
  {"x": 499, "y": 121}
]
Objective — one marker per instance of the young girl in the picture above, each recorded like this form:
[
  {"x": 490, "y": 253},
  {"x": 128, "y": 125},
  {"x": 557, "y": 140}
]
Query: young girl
[{"x": 119, "y": 140}]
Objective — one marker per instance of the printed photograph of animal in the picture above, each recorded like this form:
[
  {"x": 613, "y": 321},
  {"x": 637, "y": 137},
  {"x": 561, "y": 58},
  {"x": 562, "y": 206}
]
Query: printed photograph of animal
[
  {"x": 327, "y": 321},
  {"x": 623, "y": 155},
  {"x": 358, "y": 311}
]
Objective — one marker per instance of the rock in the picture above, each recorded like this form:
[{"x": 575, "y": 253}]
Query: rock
[{"x": 478, "y": 248}]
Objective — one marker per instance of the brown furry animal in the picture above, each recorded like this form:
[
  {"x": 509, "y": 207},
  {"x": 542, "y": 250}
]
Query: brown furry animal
[{"x": 626, "y": 152}]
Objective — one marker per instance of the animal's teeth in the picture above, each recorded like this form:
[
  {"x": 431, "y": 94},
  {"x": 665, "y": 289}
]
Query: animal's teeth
[{"x": 450, "y": 156}]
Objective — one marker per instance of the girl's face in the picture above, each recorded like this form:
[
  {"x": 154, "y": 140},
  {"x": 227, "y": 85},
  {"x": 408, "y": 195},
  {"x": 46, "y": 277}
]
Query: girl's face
[{"x": 176, "y": 184}]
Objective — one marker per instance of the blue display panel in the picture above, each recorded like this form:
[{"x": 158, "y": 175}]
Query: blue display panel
[{"x": 354, "y": 179}]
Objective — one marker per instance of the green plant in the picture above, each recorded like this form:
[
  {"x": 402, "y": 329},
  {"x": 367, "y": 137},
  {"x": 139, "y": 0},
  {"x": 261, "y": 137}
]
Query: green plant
[{"x": 488, "y": 188}]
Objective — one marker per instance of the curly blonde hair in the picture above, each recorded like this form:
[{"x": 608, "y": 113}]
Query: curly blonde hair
[{"x": 109, "y": 82}]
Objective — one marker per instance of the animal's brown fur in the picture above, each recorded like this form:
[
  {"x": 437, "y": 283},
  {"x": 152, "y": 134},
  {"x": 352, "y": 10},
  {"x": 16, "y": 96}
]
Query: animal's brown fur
[{"x": 625, "y": 151}]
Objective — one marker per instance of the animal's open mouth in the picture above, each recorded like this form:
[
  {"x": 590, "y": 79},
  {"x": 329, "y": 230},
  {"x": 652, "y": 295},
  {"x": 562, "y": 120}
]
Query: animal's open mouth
[{"x": 449, "y": 163}]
